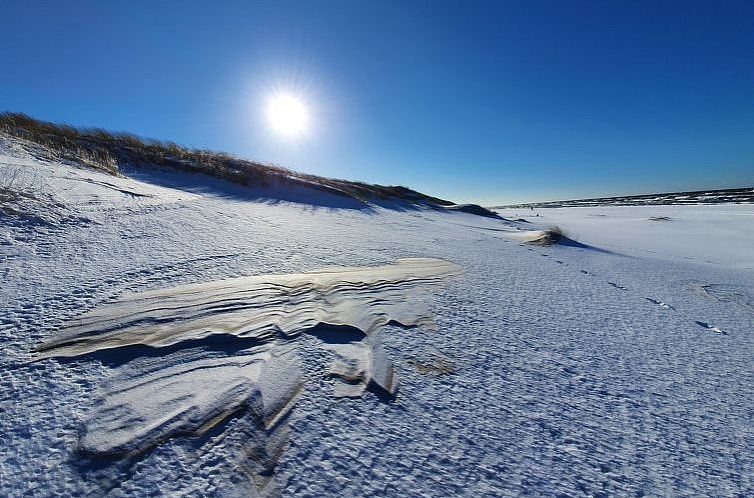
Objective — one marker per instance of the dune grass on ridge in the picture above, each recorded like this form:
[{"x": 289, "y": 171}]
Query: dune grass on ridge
[{"x": 110, "y": 151}]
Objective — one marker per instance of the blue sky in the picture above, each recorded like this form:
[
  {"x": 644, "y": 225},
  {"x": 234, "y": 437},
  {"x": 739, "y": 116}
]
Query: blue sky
[{"x": 488, "y": 102}]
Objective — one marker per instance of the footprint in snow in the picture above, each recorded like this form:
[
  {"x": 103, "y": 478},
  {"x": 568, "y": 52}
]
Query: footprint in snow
[
  {"x": 617, "y": 286},
  {"x": 662, "y": 305},
  {"x": 587, "y": 273},
  {"x": 711, "y": 327}
]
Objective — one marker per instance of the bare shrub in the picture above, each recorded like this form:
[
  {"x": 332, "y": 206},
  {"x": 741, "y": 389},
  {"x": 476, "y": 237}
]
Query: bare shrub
[{"x": 16, "y": 182}]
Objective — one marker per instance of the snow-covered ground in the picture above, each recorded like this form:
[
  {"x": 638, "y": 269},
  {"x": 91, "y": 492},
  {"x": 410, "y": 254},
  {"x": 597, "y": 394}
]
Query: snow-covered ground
[
  {"x": 712, "y": 234},
  {"x": 620, "y": 368}
]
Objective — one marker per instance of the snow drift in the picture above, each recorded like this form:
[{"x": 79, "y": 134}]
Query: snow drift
[{"x": 189, "y": 357}]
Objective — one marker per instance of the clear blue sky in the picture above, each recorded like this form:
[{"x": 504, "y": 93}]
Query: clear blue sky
[{"x": 486, "y": 102}]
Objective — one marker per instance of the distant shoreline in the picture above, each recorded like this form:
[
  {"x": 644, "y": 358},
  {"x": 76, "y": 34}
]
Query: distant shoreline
[{"x": 744, "y": 195}]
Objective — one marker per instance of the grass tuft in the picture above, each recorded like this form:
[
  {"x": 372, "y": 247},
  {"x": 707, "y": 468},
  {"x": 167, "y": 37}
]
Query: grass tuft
[{"x": 548, "y": 237}]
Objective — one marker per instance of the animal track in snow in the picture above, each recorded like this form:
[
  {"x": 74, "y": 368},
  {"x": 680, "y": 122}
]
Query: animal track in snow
[
  {"x": 662, "y": 305},
  {"x": 722, "y": 293},
  {"x": 711, "y": 327}
]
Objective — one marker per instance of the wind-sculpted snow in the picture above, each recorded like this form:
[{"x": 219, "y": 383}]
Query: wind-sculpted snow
[
  {"x": 189, "y": 392},
  {"x": 259, "y": 307},
  {"x": 555, "y": 371},
  {"x": 187, "y": 358}
]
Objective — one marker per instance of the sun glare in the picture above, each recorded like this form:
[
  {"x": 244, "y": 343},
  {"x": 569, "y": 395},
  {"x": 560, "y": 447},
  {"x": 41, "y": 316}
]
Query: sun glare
[{"x": 287, "y": 115}]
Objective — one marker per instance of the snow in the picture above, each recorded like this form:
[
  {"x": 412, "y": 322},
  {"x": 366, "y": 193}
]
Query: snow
[
  {"x": 718, "y": 234},
  {"x": 256, "y": 308},
  {"x": 623, "y": 367}
]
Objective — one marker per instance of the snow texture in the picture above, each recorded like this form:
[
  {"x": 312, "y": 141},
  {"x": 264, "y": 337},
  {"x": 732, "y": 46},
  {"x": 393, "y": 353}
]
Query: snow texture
[
  {"x": 248, "y": 324},
  {"x": 619, "y": 366}
]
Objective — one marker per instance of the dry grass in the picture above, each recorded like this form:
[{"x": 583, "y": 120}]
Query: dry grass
[
  {"x": 548, "y": 237},
  {"x": 15, "y": 184},
  {"x": 110, "y": 152}
]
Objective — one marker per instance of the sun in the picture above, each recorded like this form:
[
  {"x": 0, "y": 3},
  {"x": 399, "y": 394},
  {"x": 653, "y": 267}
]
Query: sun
[{"x": 287, "y": 115}]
